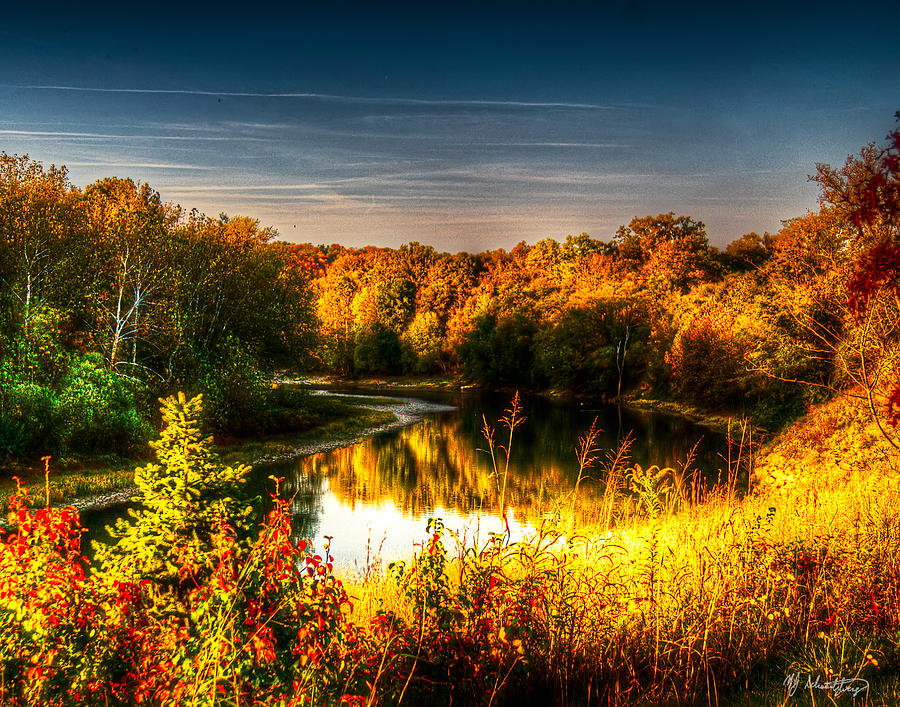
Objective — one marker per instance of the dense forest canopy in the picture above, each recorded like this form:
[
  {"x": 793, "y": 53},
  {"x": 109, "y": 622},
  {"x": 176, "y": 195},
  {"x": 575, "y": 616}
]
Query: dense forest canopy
[{"x": 111, "y": 297}]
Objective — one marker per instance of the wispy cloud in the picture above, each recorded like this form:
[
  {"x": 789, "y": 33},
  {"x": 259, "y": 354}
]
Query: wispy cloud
[
  {"x": 384, "y": 100},
  {"x": 187, "y": 189},
  {"x": 499, "y": 173},
  {"x": 64, "y": 134},
  {"x": 141, "y": 165},
  {"x": 777, "y": 198},
  {"x": 600, "y": 145}
]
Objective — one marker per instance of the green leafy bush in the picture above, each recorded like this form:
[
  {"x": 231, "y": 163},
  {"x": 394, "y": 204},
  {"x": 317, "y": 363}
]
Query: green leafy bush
[
  {"x": 96, "y": 410},
  {"x": 234, "y": 391},
  {"x": 93, "y": 411},
  {"x": 27, "y": 411}
]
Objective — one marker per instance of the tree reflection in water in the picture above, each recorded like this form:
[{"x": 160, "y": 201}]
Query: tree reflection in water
[{"x": 306, "y": 492}]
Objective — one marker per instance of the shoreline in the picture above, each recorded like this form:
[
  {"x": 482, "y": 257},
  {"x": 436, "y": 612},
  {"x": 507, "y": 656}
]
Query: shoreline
[
  {"x": 716, "y": 422},
  {"x": 406, "y": 411}
]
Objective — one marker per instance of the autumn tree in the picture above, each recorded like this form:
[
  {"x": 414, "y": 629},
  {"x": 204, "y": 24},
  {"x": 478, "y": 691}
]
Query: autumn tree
[
  {"x": 37, "y": 210},
  {"x": 395, "y": 303},
  {"x": 707, "y": 360},
  {"x": 666, "y": 249},
  {"x": 127, "y": 225},
  {"x": 423, "y": 338},
  {"x": 580, "y": 246},
  {"x": 335, "y": 293},
  {"x": 805, "y": 279},
  {"x": 866, "y": 192},
  {"x": 415, "y": 262},
  {"x": 749, "y": 251}
]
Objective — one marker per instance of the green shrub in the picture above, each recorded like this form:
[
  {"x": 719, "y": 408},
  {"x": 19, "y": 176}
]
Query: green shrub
[
  {"x": 12, "y": 435},
  {"x": 234, "y": 391},
  {"x": 89, "y": 409},
  {"x": 186, "y": 608},
  {"x": 29, "y": 407},
  {"x": 96, "y": 410},
  {"x": 782, "y": 402}
]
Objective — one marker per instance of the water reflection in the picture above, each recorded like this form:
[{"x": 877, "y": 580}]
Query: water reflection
[
  {"x": 381, "y": 491},
  {"x": 306, "y": 492}
]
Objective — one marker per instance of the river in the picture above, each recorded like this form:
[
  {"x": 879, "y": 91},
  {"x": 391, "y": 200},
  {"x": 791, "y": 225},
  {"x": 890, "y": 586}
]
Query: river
[{"x": 374, "y": 497}]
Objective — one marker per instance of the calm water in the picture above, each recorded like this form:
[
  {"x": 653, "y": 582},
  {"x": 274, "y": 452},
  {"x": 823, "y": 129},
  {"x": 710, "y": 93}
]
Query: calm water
[{"x": 375, "y": 497}]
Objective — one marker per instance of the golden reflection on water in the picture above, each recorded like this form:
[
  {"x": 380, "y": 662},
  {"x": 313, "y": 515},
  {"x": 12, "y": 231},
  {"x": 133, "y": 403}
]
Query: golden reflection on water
[
  {"x": 431, "y": 465},
  {"x": 380, "y": 492}
]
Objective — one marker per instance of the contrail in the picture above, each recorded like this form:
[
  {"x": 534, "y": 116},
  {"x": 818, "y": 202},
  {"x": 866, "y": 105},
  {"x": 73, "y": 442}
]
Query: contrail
[
  {"x": 324, "y": 97},
  {"x": 100, "y": 136}
]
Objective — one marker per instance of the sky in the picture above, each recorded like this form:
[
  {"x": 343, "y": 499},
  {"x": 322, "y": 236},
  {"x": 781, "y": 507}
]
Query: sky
[{"x": 463, "y": 126}]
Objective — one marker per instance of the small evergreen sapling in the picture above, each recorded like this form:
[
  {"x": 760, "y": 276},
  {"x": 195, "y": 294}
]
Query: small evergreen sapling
[{"x": 184, "y": 498}]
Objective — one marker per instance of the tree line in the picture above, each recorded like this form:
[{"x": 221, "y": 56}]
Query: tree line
[
  {"x": 767, "y": 326},
  {"x": 111, "y": 298},
  {"x": 655, "y": 309}
]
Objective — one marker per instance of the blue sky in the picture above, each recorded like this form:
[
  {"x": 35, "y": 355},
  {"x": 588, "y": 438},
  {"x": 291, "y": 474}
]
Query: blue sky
[{"x": 461, "y": 126}]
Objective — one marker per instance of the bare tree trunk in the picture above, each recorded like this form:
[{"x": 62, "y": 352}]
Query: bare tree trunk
[{"x": 621, "y": 352}]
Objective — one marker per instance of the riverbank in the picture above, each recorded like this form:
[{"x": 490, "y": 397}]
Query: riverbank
[
  {"x": 104, "y": 485},
  {"x": 721, "y": 423},
  {"x": 380, "y": 384},
  {"x": 384, "y": 415}
]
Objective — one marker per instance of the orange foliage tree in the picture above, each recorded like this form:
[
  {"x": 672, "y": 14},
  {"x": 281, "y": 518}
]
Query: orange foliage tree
[{"x": 866, "y": 191}]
